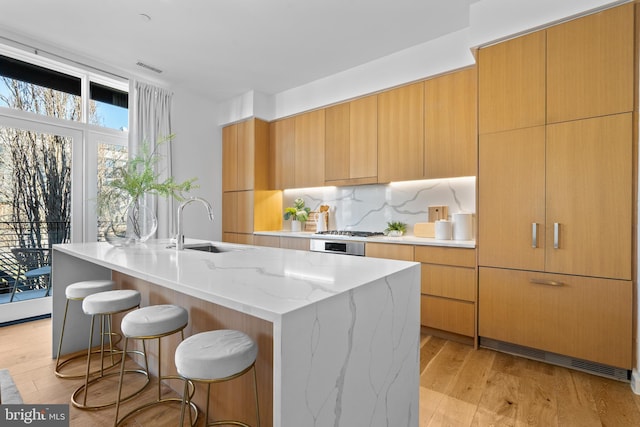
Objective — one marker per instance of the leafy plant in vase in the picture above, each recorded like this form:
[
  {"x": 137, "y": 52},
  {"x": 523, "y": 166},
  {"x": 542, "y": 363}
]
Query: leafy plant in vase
[
  {"x": 123, "y": 198},
  {"x": 298, "y": 214},
  {"x": 395, "y": 229}
]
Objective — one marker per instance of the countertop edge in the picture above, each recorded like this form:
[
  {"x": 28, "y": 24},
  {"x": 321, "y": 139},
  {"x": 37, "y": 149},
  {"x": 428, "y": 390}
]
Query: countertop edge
[{"x": 404, "y": 240}]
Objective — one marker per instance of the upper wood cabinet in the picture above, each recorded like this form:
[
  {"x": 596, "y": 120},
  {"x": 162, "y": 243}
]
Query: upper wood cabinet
[
  {"x": 590, "y": 68},
  {"x": 450, "y": 125},
  {"x": 511, "y": 84},
  {"x": 309, "y": 149},
  {"x": 401, "y": 133},
  {"x": 230, "y": 158},
  {"x": 282, "y": 155},
  {"x": 245, "y": 152},
  {"x": 351, "y": 142}
]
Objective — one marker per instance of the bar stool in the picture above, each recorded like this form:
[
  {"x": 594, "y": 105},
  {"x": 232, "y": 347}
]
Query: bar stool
[
  {"x": 77, "y": 292},
  {"x": 212, "y": 357},
  {"x": 105, "y": 304},
  {"x": 152, "y": 322}
]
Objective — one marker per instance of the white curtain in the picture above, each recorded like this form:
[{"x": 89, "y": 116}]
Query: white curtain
[{"x": 152, "y": 124}]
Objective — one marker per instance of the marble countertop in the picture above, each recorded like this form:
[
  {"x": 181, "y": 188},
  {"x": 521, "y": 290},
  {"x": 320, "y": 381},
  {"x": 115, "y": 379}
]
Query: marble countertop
[
  {"x": 404, "y": 240},
  {"x": 260, "y": 281}
]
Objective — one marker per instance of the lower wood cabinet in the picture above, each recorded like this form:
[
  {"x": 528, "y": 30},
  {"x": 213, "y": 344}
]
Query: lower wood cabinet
[
  {"x": 269, "y": 241},
  {"x": 448, "y": 286},
  {"x": 298, "y": 243},
  {"x": 448, "y": 302},
  {"x": 583, "y": 317}
]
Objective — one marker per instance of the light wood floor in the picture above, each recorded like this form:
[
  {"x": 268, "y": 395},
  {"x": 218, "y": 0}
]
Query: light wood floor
[{"x": 459, "y": 387}]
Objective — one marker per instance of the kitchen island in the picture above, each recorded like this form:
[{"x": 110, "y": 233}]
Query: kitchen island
[{"x": 338, "y": 336}]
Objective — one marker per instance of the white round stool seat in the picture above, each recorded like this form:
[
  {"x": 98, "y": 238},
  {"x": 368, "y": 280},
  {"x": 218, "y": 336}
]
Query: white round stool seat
[
  {"x": 80, "y": 290},
  {"x": 111, "y": 301},
  {"x": 215, "y": 354},
  {"x": 154, "y": 320}
]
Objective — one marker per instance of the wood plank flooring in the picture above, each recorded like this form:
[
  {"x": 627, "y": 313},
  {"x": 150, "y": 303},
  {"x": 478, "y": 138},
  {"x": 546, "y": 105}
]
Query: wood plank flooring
[{"x": 459, "y": 387}]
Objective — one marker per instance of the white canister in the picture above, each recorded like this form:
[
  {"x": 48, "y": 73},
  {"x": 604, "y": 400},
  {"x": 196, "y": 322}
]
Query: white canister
[
  {"x": 462, "y": 226},
  {"x": 321, "y": 224},
  {"x": 443, "y": 229}
]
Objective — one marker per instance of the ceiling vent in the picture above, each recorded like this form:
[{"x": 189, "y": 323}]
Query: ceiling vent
[{"x": 148, "y": 67}]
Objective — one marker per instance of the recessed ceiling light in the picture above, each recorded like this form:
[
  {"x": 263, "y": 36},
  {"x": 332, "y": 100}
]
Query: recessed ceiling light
[{"x": 144, "y": 17}]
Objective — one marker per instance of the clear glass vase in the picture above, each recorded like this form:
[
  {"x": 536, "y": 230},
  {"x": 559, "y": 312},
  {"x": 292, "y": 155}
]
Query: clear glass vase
[{"x": 142, "y": 221}]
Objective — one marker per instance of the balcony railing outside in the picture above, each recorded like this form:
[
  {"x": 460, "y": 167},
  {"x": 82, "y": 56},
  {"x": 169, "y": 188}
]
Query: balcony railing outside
[{"x": 26, "y": 247}]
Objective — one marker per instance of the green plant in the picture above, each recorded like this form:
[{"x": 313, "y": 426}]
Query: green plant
[
  {"x": 396, "y": 226},
  {"x": 138, "y": 176},
  {"x": 297, "y": 211}
]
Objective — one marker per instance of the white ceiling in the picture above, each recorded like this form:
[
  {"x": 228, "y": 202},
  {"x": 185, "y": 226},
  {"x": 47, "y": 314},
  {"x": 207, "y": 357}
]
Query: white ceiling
[{"x": 223, "y": 48}]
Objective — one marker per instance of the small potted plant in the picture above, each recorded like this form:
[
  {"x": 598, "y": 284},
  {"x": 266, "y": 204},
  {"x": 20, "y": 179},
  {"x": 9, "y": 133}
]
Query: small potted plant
[
  {"x": 298, "y": 214},
  {"x": 395, "y": 229}
]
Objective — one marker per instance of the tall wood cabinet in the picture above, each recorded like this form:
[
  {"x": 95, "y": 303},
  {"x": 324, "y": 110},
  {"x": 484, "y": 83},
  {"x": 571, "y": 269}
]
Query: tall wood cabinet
[
  {"x": 247, "y": 203},
  {"x": 555, "y": 191}
]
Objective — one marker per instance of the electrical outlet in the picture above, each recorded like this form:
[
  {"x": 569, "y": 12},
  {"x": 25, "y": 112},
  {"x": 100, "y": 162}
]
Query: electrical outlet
[{"x": 438, "y": 212}]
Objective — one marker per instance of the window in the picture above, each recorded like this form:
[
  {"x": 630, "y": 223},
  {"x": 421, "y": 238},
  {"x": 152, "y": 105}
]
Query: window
[{"x": 61, "y": 129}]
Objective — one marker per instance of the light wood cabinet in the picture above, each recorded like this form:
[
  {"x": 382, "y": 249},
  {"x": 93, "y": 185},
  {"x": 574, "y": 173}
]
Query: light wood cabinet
[
  {"x": 590, "y": 65},
  {"x": 268, "y": 241},
  {"x": 401, "y": 133},
  {"x": 511, "y": 84},
  {"x": 282, "y": 154},
  {"x": 582, "y": 317},
  {"x": 389, "y": 251},
  {"x": 448, "y": 300},
  {"x": 351, "y": 142},
  {"x": 247, "y": 204},
  {"x": 309, "y": 149},
  {"x": 589, "y": 185},
  {"x": 450, "y": 125},
  {"x": 511, "y": 199},
  {"x": 563, "y": 205},
  {"x": 298, "y": 243}
]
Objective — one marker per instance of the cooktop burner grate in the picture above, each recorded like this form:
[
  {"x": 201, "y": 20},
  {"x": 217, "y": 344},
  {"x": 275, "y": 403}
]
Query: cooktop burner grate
[{"x": 351, "y": 233}]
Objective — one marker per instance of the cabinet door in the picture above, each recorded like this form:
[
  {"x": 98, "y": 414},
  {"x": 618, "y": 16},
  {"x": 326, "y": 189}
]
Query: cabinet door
[
  {"x": 230, "y": 158},
  {"x": 511, "y": 199},
  {"x": 244, "y": 212},
  {"x": 300, "y": 244},
  {"x": 283, "y": 147},
  {"x": 229, "y": 210},
  {"x": 401, "y": 133},
  {"x": 581, "y": 317},
  {"x": 309, "y": 149},
  {"x": 450, "y": 125},
  {"x": 589, "y": 196},
  {"x": 363, "y": 139},
  {"x": 511, "y": 84},
  {"x": 590, "y": 68},
  {"x": 336, "y": 150},
  {"x": 246, "y": 155}
]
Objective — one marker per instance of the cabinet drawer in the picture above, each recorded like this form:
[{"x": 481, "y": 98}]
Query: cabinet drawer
[
  {"x": 447, "y": 315},
  {"x": 294, "y": 243},
  {"x": 582, "y": 317},
  {"x": 269, "y": 241},
  {"x": 449, "y": 282},
  {"x": 445, "y": 255},
  {"x": 389, "y": 251}
]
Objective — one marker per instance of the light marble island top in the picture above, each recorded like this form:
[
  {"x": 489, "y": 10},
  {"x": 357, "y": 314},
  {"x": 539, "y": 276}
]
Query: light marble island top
[
  {"x": 342, "y": 342},
  {"x": 263, "y": 282}
]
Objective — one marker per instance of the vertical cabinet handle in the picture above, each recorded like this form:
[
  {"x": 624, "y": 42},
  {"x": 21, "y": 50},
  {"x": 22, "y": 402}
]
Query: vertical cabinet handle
[
  {"x": 556, "y": 235},
  {"x": 534, "y": 235}
]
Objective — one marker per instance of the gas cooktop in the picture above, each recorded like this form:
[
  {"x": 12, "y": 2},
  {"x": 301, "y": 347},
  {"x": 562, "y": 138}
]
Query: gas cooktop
[{"x": 351, "y": 233}]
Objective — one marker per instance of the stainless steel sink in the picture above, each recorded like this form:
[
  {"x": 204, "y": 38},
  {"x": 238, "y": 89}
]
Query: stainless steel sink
[{"x": 208, "y": 247}]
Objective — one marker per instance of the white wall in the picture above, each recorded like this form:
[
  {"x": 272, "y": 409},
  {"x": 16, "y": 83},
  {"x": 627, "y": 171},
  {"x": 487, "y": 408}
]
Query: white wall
[{"x": 197, "y": 152}]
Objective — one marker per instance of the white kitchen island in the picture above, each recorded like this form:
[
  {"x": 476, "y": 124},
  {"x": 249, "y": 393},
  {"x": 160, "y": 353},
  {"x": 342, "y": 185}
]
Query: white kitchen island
[{"x": 338, "y": 335}]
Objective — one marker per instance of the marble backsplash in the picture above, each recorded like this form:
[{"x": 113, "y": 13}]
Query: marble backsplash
[{"x": 370, "y": 207}]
